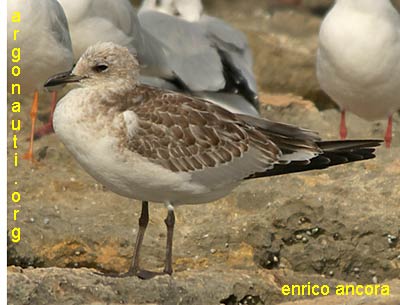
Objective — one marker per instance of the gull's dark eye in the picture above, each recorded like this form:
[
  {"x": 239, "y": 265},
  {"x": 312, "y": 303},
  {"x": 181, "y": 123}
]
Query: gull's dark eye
[{"x": 100, "y": 68}]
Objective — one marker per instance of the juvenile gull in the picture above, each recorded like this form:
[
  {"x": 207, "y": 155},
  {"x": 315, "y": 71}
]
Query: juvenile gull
[
  {"x": 45, "y": 48},
  {"x": 156, "y": 145},
  {"x": 358, "y": 61},
  {"x": 173, "y": 53}
]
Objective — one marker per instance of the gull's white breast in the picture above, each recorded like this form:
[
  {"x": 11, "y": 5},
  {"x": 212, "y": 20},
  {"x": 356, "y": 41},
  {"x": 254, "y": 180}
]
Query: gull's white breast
[{"x": 358, "y": 61}]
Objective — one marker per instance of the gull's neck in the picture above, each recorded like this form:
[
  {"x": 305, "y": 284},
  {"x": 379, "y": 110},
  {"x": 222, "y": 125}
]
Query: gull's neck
[{"x": 114, "y": 89}]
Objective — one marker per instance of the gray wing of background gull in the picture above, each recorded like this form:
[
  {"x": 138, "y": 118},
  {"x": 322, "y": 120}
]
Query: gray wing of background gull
[
  {"x": 187, "y": 51},
  {"x": 151, "y": 52},
  {"x": 59, "y": 23},
  {"x": 234, "y": 43},
  {"x": 217, "y": 53}
]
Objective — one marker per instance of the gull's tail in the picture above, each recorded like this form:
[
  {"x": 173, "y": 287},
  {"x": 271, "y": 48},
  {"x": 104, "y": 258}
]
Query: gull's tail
[{"x": 333, "y": 153}]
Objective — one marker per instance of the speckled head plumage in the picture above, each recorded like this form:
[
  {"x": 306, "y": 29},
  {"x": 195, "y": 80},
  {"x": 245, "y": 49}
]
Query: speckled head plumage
[
  {"x": 105, "y": 65},
  {"x": 107, "y": 62}
]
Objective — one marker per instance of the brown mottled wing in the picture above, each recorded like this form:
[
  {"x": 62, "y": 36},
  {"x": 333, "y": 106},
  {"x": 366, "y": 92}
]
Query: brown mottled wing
[
  {"x": 295, "y": 143},
  {"x": 184, "y": 134}
]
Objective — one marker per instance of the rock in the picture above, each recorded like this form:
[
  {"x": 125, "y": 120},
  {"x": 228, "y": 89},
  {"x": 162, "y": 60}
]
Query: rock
[
  {"x": 84, "y": 286},
  {"x": 396, "y": 3},
  {"x": 392, "y": 299}
]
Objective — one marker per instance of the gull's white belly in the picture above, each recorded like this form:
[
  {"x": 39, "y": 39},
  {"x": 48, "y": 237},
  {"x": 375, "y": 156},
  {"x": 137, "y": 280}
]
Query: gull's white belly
[
  {"x": 358, "y": 66},
  {"x": 370, "y": 100}
]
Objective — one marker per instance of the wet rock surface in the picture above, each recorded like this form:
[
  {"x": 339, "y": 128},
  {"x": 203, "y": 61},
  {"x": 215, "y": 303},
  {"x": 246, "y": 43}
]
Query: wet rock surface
[{"x": 339, "y": 225}]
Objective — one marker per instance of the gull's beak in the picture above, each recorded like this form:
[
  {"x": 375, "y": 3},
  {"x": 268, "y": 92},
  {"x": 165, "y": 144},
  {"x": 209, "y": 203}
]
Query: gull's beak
[{"x": 62, "y": 78}]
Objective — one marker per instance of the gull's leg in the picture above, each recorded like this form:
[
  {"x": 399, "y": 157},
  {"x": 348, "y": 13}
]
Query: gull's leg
[
  {"x": 343, "y": 128},
  {"x": 134, "y": 269},
  {"x": 143, "y": 221},
  {"x": 170, "y": 222},
  {"x": 388, "y": 135},
  {"x": 48, "y": 127},
  {"x": 33, "y": 115}
]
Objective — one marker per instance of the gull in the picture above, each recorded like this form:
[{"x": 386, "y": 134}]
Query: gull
[
  {"x": 43, "y": 43},
  {"x": 217, "y": 67},
  {"x": 152, "y": 144},
  {"x": 198, "y": 40},
  {"x": 358, "y": 60}
]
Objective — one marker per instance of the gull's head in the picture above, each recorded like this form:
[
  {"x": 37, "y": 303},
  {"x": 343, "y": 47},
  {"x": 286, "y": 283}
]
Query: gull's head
[{"x": 104, "y": 64}]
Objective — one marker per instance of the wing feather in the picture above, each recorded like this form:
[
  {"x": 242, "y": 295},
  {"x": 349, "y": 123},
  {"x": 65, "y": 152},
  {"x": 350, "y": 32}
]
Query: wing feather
[{"x": 186, "y": 134}]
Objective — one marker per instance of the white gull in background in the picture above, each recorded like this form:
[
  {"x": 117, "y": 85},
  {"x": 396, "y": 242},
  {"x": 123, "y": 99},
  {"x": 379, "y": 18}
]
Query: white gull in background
[
  {"x": 208, "y": 59},
  {"x": 358, "y": 61},
  {"x": 45, "y": 45},
  {"x": 152, "y": 144}
]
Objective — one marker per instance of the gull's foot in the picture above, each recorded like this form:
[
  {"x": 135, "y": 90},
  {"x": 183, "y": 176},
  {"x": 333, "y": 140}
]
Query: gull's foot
[
  {"x": 30, "y": 157},
  {"x": 142, "y": 274},
  {"x": 43, "y": 131},
  {"x": 146, "y": 274}
]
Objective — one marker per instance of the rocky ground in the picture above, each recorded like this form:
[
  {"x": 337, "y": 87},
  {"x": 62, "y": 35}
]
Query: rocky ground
[{"x": 335, "y": 226}]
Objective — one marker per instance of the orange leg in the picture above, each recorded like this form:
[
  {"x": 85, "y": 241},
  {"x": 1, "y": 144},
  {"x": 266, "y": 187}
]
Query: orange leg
[
  {"x": 388, "y": 135},
  {"x": 343, "y": 128},
  {"x": 48, "y": 127},
  {"x": 33, "y": 115}
]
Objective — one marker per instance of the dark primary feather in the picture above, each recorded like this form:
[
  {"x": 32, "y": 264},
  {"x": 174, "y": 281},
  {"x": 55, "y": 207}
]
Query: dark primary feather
[
  {"x": 236, "y": 82},
  {"x": 333, "y": 153}
]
